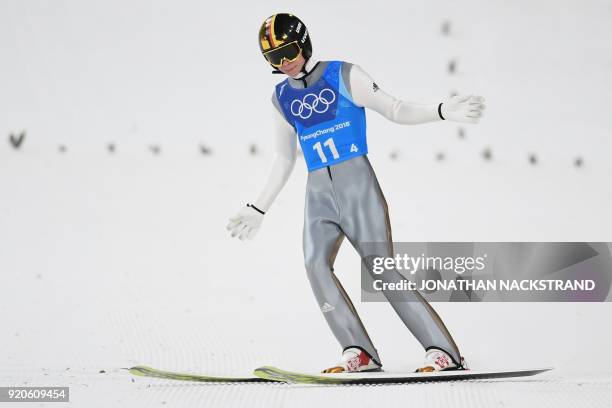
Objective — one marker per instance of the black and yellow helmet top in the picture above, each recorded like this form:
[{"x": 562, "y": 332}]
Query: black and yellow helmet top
[{"x": 281, "y": 29}]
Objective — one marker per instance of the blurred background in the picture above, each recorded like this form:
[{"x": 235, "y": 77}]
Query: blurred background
[{"x": 131, "y": 131}]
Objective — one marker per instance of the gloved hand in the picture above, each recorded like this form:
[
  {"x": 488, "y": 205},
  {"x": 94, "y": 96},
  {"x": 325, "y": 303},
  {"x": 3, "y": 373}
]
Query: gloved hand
[
  {"x": 466, "y": 109},
  {"x": 246, "y": 223}
]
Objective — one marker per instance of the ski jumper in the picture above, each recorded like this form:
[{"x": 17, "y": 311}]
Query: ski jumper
[{"x": 344, "y": 199}]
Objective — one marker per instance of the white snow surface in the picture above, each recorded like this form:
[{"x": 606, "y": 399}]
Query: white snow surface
[{"x": 109, "y": 261}]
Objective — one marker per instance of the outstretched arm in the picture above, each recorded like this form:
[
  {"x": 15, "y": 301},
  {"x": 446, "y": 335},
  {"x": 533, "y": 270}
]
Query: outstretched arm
[
  {"x": 367, "y": 93},
  {"x": 282, "y": 165},
  {"x": 246, "y": 223}
]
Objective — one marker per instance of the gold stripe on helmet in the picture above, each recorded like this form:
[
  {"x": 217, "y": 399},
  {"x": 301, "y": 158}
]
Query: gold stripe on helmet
[{"x": 268, "y": 39}]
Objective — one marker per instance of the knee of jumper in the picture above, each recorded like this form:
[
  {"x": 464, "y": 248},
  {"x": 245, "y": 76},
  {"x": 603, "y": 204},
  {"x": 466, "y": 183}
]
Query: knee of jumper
[{"x": 317, "y": 267}]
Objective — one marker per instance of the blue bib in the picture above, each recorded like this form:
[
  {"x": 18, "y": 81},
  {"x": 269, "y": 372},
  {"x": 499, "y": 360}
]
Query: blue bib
[{"x": 329, "y": 126}]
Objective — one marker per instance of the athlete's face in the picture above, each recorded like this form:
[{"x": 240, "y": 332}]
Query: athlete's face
[{"x": 293, "y": 68}]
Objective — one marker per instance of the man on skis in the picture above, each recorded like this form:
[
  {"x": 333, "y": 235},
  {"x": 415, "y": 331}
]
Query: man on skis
[{"x": 322, "y": 102}]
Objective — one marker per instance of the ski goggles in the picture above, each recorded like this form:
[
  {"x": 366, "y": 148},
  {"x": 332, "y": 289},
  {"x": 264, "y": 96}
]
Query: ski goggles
[{"x": 289, "y": 52}]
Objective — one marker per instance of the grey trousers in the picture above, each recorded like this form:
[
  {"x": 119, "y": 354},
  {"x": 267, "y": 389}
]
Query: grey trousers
[{"x": 345, "y": 200}]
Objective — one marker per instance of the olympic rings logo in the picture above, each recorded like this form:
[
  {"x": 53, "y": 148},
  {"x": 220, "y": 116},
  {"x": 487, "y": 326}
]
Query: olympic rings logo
[{"x": 313, "y": 103}]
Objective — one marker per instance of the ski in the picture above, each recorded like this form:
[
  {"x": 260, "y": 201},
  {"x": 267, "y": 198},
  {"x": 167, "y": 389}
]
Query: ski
[
  {"x": 275, "y": 374},
  {"x": 144, "y": 371}
]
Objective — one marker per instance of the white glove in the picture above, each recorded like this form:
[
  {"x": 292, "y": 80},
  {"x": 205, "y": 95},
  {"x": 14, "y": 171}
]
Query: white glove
[
  {"x": 467, "y": 109},
  {"x": 246, "y": 223}
]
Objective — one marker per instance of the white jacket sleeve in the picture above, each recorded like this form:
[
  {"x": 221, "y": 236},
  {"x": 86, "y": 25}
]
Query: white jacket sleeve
[
  {"x": 366, "y": 93},
  {"x": 285, "y": 154}
]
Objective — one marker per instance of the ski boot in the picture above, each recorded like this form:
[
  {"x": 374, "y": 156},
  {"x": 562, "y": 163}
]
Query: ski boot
[
  {"x": 439, "y": 360},
  {"x": 354, "y": 360}
]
